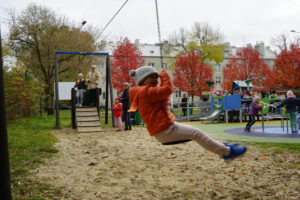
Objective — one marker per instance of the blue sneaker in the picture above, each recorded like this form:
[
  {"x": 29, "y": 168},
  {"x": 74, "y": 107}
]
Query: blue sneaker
[
  {"x": 235, "y": 151},
  {"x": 231, "y": 145}
]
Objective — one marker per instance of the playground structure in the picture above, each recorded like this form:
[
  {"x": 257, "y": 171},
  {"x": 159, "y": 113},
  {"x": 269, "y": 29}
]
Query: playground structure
[
  {"x": 227, "y": 106},
  {"x": 214, "y": 109}
]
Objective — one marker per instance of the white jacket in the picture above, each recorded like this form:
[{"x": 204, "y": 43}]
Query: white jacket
[{"x": 93, "y": 79}]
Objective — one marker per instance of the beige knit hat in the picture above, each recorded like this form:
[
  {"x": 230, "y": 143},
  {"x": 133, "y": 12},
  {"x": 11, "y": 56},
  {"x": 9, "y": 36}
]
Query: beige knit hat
[{"x": 141, "y": 73}]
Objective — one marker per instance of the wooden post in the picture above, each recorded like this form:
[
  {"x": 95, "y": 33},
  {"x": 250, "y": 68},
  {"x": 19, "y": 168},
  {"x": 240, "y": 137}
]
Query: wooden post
[
  {"x": 106, "y": 91},
  {"x": 111, "y": 90},
  {"x": 56, "y": 93},
  {"x": 5, "y": 191},
  {"x": 73, "y": 110}
]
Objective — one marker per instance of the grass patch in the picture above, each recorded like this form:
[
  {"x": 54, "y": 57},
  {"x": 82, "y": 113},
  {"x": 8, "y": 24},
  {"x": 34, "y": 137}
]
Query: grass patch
[
  {"x": 278, "y": 147},
  {"x": 30, "y": 143}
]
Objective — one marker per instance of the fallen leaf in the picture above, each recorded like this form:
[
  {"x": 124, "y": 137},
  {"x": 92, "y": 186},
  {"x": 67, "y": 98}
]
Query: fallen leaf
[{"x": 264, "y": 158}]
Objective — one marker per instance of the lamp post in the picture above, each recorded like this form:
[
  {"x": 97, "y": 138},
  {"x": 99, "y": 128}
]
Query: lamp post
[
  {"x": 210, "y": 84},
  {"x": 78, "y": 39},
  {"x": 248, "y": 81}
]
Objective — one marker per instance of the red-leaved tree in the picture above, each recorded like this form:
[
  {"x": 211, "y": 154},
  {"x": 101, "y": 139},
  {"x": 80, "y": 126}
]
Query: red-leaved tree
[
  {"x": 190, "y": 74},
  {"x": 286, "y": 72},
  {"x": 245, "y": 65},
  {"x": 126, "y": 57}
]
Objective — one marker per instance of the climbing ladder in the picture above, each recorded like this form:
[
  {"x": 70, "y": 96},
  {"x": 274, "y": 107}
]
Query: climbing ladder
[{"x": 87, "y": 119}]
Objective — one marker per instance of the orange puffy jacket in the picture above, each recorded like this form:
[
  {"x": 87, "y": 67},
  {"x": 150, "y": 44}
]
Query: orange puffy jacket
[{"x": 152, "y": 102}]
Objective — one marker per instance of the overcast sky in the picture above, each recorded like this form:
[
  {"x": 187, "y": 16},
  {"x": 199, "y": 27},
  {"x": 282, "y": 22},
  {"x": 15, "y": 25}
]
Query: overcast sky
[{"x": 240, "y": 21}]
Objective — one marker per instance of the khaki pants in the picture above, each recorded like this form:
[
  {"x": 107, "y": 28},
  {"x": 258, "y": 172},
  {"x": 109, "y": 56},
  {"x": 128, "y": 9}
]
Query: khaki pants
[{"x": 177, "y": 131}]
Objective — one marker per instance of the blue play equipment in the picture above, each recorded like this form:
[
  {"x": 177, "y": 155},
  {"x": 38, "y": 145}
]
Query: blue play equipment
[
  {"x": 228, "y": 102},
  {"x": 225, "y": 104}
]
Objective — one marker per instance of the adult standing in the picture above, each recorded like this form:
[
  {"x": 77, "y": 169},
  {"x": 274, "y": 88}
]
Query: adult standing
[
  {"x": 184, "y": 104},
  {"x": 92, "y": 79},
  {"x": 298, "y": 116},
  {"x": 290, "y": 104},
  {"x": 126, "y": 105}
]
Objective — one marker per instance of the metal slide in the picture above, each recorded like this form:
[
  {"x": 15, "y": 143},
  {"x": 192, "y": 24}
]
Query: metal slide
[
  {"x": 214, "y": 115},
  {"x": 200, "y": 116}
]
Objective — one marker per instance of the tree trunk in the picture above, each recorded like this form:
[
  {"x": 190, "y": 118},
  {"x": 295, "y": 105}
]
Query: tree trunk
[{"x": 48, "y": 89}]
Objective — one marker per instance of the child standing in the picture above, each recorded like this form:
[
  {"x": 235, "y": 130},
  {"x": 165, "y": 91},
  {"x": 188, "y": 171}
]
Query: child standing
[
  {"x": 80, "y": 85},
  {"x": 152, "y": 101},
  {"x": 255, "y": 108},
  {"x": 117, "y": 112}
]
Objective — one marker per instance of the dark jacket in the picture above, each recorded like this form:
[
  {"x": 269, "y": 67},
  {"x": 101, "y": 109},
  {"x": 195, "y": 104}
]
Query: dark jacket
[
  {"x": 290, "y": 104},
  {"x": 184, "y": 103},
  {"x": 254, "y": 109},
  {"x": 80, "y": 84},
  {"x": 125, "y": 100}
]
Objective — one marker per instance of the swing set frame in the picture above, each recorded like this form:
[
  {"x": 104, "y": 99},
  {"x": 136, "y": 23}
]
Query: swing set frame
[{"x": 108, "y": 86}]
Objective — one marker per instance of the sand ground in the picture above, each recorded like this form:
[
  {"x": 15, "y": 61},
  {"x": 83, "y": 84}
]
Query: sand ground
[{"x": 133, "y": 165}]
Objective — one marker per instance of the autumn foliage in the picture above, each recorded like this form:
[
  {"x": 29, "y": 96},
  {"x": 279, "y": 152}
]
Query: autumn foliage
[
  {"x": 126, "y": 57},
  {"x": 286, "y": 72},
  {"x": 21, "y": 93},
  {"x": 190, "y": 74},
  {"x": 247, "y": 64}
]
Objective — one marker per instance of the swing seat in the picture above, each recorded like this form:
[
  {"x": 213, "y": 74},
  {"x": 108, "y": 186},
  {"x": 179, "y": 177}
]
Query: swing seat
[{"x": 176, "y": 142}]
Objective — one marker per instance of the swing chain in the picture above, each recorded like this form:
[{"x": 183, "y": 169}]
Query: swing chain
[{"x": 159, "y": 37}]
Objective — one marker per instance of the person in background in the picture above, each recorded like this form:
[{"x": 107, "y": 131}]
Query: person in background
[
  {"x": 80, "y": 85},
  {"x": 92, "y": 79},
  {"x": 184, "y": 104},
  {"x": 298, "y": 116},
  {"x": 126, "y": 106},
  {"x": 237, "y": 91},
  {"x": 171, "y": 103},
  {"x": 247, "y": 99},
  {"x": 255, "y": 108},
  {"x": 272, "y": 100},
  {"x": 117, "y": 112},
  {"x": 290, "y": 104}
]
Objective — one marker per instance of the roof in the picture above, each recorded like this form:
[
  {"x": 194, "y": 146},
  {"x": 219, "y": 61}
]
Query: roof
[
  {"x": 242, "y": 83},
  {"x": 149, "y": 50}
]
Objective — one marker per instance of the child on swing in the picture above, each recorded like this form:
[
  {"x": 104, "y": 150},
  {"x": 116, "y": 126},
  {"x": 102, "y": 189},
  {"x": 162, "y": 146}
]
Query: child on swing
[{"x": 152, "y": 102}]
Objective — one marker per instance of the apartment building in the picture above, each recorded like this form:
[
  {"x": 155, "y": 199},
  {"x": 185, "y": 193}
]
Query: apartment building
[{"x": 151, "y": 55}]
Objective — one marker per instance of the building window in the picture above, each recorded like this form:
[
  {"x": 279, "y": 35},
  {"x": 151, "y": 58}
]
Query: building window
[
  {"x": 218, "y": 67},
  {"x": 103, "y": 95},
  {"x": 218, "y": 79},
  {"x": 151, "y": 64},
  {"x": 165, "y": 65},
  {"x": 178, "y": 93}
]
